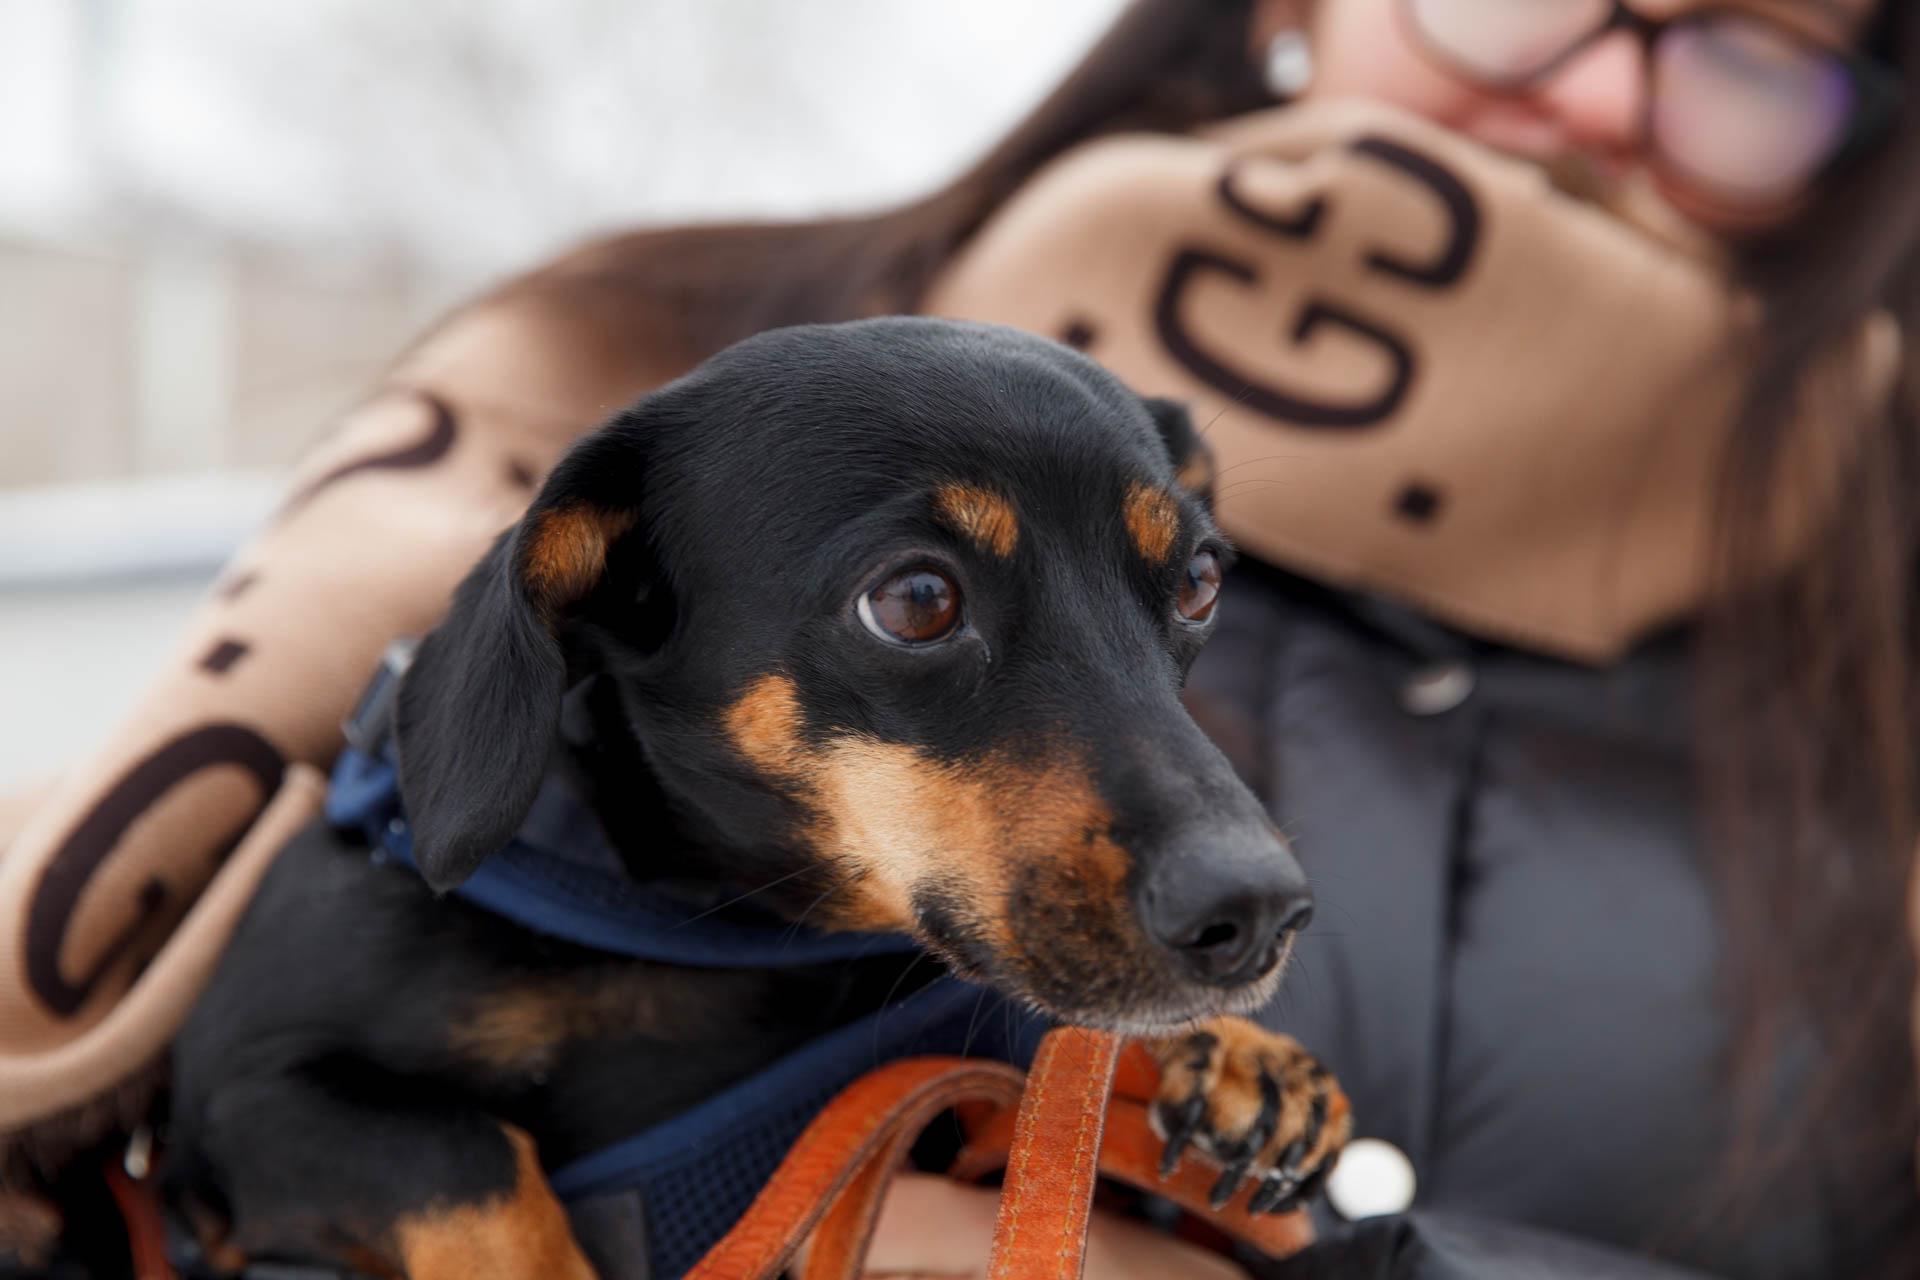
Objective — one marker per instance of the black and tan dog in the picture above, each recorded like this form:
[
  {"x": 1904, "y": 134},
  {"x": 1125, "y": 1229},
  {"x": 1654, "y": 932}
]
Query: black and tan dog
[{"x": 887, "y": 621}]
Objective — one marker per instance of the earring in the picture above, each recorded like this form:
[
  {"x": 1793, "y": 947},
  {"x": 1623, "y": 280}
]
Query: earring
[{"x": 1289, "y": 66}]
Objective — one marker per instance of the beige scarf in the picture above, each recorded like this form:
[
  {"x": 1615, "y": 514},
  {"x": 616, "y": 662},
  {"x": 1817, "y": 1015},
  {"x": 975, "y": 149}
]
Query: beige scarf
[{"x": 1422, "y": 372}]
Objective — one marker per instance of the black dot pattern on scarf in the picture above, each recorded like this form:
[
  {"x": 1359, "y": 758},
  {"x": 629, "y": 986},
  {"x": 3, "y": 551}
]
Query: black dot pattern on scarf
[
  {"x": 220, "y": 659},
  {"x": 1419, "y": 503}
]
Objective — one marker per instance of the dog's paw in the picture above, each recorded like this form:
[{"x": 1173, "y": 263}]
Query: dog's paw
[{"x": 1257, "y": 1103}]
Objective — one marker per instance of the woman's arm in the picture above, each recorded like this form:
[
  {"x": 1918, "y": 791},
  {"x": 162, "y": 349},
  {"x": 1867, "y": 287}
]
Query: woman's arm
[{"x": 932, "y": 1226}]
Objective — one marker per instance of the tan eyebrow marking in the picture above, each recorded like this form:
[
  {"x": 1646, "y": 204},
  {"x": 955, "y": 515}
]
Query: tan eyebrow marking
[
  {"x": 985, "y": 518},
  {"x": 1153, "y": 518}
]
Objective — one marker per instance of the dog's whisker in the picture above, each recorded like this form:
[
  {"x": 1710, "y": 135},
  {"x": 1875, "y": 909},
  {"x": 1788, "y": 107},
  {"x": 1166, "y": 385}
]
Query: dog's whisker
[
  {"x": 799, "y": 921},
  {"x": 1234, "y": 403},
  {"x": 1271, "y": 457},
  {"x": 1288, "y": 479},
  {"x": 735, "y": 901},
  {"x": 930, "y": 1014},
  {"x": 1323, "y": 905},
  {"x": 886, "y": 1003},
  {"x": 973, "y": 1021},
  {"x": 887, "y": 1000},
  {"x": 1300, "y": 967},
  {"x": 1250, "y": 483}
]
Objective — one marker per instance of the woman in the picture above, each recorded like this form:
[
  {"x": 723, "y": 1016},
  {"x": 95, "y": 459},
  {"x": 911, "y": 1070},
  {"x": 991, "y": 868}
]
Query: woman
[{"x": 1575, "y": 650}]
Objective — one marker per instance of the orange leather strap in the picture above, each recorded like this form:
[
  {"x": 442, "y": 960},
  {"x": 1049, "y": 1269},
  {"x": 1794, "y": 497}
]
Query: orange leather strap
[
  {"x": 1130, "y": 1153},
  {"x": 146, "y": 1235},
  {"x": 1041, "y": 1231},
  {"x": 848, "y": 1154},
  {"x": 841, "y": 1240}
]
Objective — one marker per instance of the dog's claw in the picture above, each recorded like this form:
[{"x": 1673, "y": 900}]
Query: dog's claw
[
  {"x": 1230, "y": 1179},
  {"x": 1257, "y": 1104},
  {"x": 1274, "y": 1190},
  {"x": 1293, "y": 1189},
  {"x": 1240, "y": 1161},
  {"x": 1187, "y": 1118},
  {"x": 1316, "y": 1121},
  {"x": 1279, "y": 1188}
]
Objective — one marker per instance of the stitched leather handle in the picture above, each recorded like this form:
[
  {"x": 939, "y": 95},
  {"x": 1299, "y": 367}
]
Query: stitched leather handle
[
  {"x": 846, "y": 1157},
  {"x": 840, "y": 1242},
  {"x": 146, "y": 1233},
  {"x": 1041, "y": 1230}
]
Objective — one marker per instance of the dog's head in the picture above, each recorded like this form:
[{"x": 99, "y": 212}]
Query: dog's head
[{"x": 898, "y": 612}]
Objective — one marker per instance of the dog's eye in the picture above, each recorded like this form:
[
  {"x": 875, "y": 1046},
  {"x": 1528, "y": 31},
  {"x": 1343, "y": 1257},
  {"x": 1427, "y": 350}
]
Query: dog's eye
[
  {"x": 1201, "y": 587},
  {"x": 915, "y": 607}
]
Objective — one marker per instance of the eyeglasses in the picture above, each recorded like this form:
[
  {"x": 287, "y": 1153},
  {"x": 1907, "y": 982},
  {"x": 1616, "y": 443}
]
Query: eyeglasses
[{"x": 1743, "y": 111}]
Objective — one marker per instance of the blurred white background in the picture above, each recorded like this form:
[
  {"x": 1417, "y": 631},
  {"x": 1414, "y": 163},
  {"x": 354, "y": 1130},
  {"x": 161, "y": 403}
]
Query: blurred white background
[{"x": 219, "y": 218}]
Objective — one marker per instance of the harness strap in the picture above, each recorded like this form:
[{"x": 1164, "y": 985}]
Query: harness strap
[
  {"x": 841, "y": 1241},
  {"x": 146, "y": 1232},
  {"x": 855, "y": 1144},
  {"x": 1045, "y": 1202}
]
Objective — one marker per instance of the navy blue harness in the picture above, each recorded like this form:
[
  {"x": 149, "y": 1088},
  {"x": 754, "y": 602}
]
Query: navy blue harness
[{"x": 560, "y": 876}]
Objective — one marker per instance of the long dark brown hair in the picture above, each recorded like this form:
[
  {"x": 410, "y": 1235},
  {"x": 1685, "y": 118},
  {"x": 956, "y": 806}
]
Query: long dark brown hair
[{"x": 1806, "y": 729}]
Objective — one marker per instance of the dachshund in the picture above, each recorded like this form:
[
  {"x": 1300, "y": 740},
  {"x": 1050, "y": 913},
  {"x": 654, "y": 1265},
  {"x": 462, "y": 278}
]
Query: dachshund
[{"x": 881, "y": 627}]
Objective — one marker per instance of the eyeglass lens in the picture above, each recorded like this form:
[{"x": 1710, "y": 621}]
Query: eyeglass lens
[{"x": 1738, "y": 105}]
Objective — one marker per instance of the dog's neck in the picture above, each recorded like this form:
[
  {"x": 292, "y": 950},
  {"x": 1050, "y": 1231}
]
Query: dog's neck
[{"x": 659, "y": 841}]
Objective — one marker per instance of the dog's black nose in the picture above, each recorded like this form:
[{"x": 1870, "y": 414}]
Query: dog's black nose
[{"x": 1227, "y": 918}]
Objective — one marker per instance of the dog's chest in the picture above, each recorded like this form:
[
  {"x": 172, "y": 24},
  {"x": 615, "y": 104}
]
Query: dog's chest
[{"x": 584, "y": 1059}]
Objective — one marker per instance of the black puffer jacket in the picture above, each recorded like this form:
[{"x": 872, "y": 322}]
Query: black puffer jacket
[{"x": 1513, "y": 962}]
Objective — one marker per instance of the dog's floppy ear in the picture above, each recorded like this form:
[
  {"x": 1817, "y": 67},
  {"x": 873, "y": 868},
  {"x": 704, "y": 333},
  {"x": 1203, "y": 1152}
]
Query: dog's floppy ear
[
  {"x": 1192, "y": 461},
  {"x": 479, "y": 708}
]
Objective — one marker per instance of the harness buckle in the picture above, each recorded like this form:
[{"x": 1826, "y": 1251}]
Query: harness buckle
[{"x": 370, "y": 726}]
